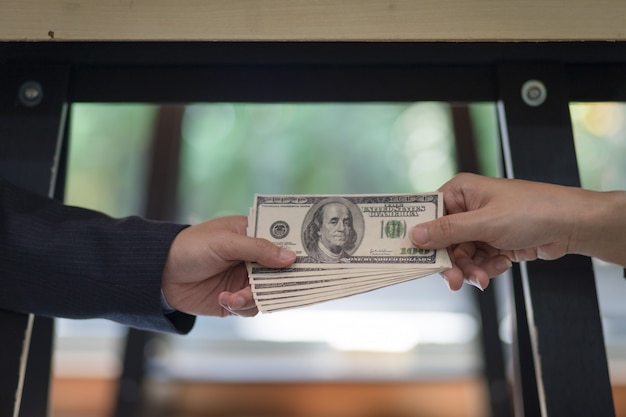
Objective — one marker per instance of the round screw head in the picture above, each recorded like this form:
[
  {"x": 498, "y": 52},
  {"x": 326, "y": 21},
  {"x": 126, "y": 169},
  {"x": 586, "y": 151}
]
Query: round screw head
[
  {"x": 31, "y": 93},
  {"x": 534, "y": 93}
]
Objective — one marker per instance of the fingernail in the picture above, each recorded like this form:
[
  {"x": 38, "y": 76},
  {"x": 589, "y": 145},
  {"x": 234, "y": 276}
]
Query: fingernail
[
  {"x": 474, "y": 281},
  {"x": 223, "y": 301},
  {"x": 503, "y": 265},
  {"x": 419, "y": 235},
  {"x": 445, "y": 279},
  {"x": 238, "y": 302}
]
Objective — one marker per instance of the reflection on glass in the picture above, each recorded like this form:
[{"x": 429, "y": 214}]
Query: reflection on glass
[{"x": 363, "y": 330}]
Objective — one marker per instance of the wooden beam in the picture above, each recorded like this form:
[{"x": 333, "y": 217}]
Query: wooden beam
[{"x": 319, "y": 20}]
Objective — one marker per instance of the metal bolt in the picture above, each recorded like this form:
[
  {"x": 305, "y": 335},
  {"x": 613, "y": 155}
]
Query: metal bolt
[
  {"x": 534, "y": 93},
  {"x": 31, "y": 93}
]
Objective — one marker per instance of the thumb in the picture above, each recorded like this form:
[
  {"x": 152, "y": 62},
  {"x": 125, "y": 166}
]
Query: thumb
[
  {"x": 447, "y": 230},
  {"x": 259, "y": 250}
]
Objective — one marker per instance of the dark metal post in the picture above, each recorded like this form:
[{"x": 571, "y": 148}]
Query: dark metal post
[
  {"x": 560, "y": 296},
  {"x": 32, "y": 124}
]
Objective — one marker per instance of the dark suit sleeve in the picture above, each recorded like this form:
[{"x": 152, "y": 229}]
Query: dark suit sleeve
[{"x": 62, "y": 261}]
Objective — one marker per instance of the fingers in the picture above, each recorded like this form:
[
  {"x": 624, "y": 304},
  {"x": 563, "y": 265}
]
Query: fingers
[
  {"x": 240, "y": 303},
  {"x": 243, "y": 248},
  {"x": 473, "y": 272},
  {"x": 475, "y": 265},
  {"x": 453, "y": 278}
]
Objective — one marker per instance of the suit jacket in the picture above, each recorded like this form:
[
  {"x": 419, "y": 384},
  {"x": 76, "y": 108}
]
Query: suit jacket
[{"x": 61, "y": 261}]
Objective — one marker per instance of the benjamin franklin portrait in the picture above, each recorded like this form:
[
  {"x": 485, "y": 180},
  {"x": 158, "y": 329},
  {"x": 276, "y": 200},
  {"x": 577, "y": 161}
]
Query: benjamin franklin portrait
[{"x": 332, "y": 230}]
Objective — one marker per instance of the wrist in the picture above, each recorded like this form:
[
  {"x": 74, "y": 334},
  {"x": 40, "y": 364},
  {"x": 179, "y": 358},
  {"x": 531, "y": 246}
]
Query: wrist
[{"x": 601, "y": 226}]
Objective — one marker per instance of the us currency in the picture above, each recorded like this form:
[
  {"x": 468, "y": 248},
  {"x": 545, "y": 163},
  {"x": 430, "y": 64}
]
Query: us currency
[{"x": 344, "y": 245}]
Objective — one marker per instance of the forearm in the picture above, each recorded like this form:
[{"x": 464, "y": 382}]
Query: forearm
[
  {"x": 69, "y": 262},
  {"x": 601, "y": 233}
]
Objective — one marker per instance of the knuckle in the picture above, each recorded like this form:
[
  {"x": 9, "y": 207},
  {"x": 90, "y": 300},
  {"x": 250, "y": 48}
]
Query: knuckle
[
  {"x": 263, "y": 244},
  {"x": 446, "y": 226}
]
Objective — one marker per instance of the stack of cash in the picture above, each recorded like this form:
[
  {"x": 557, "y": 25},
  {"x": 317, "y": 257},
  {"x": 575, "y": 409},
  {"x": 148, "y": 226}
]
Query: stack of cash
[{"x": 345, "y": 245}]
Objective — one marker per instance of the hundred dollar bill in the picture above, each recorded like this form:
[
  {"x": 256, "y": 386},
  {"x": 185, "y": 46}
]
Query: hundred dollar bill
[
  {"x": 344, "y": 245},
  {"x": 361, "y": 229},
  {"x": 278, "y": 291},
  {"x": 277, "y": 304}
]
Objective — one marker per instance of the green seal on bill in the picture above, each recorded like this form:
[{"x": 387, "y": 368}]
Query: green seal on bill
[{"x": 395, "y": 229}]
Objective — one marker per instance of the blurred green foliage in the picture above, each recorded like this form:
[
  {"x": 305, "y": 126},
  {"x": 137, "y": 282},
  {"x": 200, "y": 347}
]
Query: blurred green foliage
[
  {"x": 230, "y": 151},
  {"x": 600, "y": 139},
  {"x": 109, "y": 148}
]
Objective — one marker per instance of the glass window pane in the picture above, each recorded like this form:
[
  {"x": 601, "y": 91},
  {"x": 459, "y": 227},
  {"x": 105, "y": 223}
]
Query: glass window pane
[
  {"x": 230, "y": 151},
  {"x": 600, "y": 139},
  {"x": 108, "y": 156},
  {"x": 109, "y": 146}
]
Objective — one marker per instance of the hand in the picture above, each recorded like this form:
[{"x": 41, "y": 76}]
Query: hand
[
  {"x": 492, "y": 222},
  {"x": 205, "y": 272}
]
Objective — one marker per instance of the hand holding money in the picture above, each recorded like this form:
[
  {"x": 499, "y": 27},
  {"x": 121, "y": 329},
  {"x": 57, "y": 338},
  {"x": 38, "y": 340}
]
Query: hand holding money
[{"x": 345, "y": 245}]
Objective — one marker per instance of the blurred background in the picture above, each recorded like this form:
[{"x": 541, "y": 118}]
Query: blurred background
[{"x": 410, "y": 349}]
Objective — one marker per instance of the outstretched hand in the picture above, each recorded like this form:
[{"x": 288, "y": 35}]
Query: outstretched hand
[
  {"x": 205, "y": 272},
  {"x": 492, "y": 222}
]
